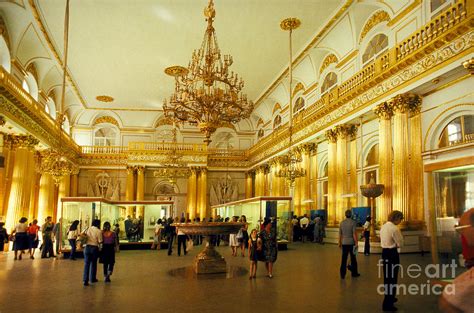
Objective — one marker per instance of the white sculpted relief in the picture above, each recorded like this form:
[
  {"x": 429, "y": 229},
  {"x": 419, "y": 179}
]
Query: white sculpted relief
[
  {"x": 104, "y": 186},
  {"x": 224, "y": 191}
]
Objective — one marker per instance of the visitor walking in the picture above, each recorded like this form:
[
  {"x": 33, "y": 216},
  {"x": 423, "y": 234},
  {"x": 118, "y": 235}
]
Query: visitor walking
[
  {"x": 304, "y": 223},
  {"x": 91, "y": 252},
  {"x": 391, "y": 240},
  {"x": 22, "y": 241},
  {"x": 157, "y": 236},
  {"x": 170, "y": 232},
  {"x": 33, "y": 231},
  {"x": 47, "y": 228},
  {"x": 181, "y": 238},
  {"x": 72, "y": 235},
  {"x": 367, "y": 235},
  {"x": 255, "y": 247},
  {"x": 233, "y": 242},
  {"x": 347, "y": 241},
  {"x": 269, "y": 245},
  {"x": 57, "y": 235},
  {"x": 107, "y": 255}
]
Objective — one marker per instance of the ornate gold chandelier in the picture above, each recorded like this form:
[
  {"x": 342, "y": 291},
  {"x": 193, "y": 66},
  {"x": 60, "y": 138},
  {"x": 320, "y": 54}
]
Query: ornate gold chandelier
[
  {"x": 54, "y": 161},
  {"x": 174, "y": 166},
  {"x": 290, "y": 162},
  {"x": 207, "y": 93}
]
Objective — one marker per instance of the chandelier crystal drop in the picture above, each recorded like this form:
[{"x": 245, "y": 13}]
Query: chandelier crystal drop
[
  {"x": 290, "y": 162},
  {"x": 207, "y": 93}
]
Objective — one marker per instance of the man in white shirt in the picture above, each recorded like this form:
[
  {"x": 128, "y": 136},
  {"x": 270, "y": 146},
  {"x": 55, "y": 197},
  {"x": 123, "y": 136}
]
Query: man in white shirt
[
  {"x": 304, "y": 222},
  {"x": 91, "y": 253},
  {"x": 391, "y": 240}
]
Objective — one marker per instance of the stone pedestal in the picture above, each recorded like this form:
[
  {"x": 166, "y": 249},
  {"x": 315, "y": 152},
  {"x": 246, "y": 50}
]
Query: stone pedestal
[{"x": 209, "y": 261}]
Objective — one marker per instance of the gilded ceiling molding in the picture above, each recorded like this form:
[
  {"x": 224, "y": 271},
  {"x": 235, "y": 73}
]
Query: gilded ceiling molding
[
  {"x": 37, "y": 17},
  {"x": 4, "y": 33},
  {"x": 162, "y": 122},
  {"x": 376, "y": 18},
  {"x": 349, "y": 57},
  {"x": 404, "y": 13},
  {"x": 329, "y": 59},
  {"x": 303, "y": 53},
  {"x": 106, "y": 119}
]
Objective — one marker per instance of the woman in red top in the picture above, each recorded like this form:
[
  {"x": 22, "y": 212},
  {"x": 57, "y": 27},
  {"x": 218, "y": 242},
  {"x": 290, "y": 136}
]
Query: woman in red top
[{"x": 32, "y": 231}]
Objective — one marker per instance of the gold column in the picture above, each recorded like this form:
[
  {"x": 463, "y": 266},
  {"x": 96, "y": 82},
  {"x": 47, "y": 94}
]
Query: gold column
[
  {"x": 191, "y": 194},
  {"x": 401, "y": 106},
  {"x": 385, "y": 113},
  {"x": 416, "y": 183},
  {"x": 341, "y": 187},
  {"x": 45, "y": 198},
  {"x": 74, "y": 185},
  {"x": 305, "y": 194},
  {"x": 22, "y": 178},
  {"x": 248, "y": 184},
  {"x": 354, "y": 188},
  {"x": 141, "y": 190},
  {"x": 266, "y": 180},
  {"x": 63, "y": 191},
  {"x": 33, "y": 211},
  {"x": 202, "y": 193},
  {"x": 332, "y": 176},
  {"x": 259, "y": 182},
  {"x": 130, "y": 189},
  {"x": 314, "y": 177},
  {"x": 297, "y": 196}
]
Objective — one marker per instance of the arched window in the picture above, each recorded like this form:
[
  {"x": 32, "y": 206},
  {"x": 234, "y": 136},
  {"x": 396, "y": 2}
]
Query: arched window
[
  {"x": 50, "y": 107},
  {"x": 375, "y": 46},
  {"x": 276, "y": 121},
  {"x": 373, "y": 156},
  {"x": 105, "y": 136},
  {"x": 458, "y": 131},
  {"x": 5, "y": 60},
  {"x": 299, "y": 105},
  {"x": 29, "y": 85},
  {"x": 25, "y": 86},
  {"x": 66, "y": 125},
  {"x": 329, "y": 81}
]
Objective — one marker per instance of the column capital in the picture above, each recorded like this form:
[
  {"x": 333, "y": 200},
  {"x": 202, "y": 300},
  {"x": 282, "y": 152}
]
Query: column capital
[
  {"x": 130, "y": 169},
  {"x": 307, "y": 148},
  {"x": 140, "y": 169},
  {"x": 384, "y": 110},
  {"x": 331, "y": 135},
  {"x": 344, "y": 131},
  {"x": 407, "y": 102}
]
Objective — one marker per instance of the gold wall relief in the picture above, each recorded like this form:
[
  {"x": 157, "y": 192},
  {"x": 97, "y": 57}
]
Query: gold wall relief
[
  {"x": 376, "y": 18},
  {"x": 328, "y": 60}
]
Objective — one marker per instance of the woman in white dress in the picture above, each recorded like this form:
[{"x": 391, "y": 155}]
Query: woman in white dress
[{"x": 233, "y": 242}]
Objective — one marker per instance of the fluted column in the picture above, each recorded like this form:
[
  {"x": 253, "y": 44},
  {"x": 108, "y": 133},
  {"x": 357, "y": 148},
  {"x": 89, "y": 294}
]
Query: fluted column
[
  {"x": 314, "y": 177},
  {"x": 306, "y": 151},
  {"x": 332, "y": 176},
  {"x": 416, "y": 183},
  {"x": 191, "y": 194},
  {"x": 22, "y": 178},
  {"x": 140, "y": 190},
  {"x": 401, "y": 106},
  {"x": 63, "y": 191},
  {"x": 266, "y": 184},
  {"x": 45, "y": 197},
  {"x": 342, "y": 204},
  {"x": 202, "y": 195},
  {"x": 353, "y": 185},
  {"x": 248, "y": 184},
  {"x": 385, "y": 113},
  {"x": 7, "y": 171},
  {"x": 35, "y": 186},
  {"x": 74, "y": 184},
  {"x": 259, "y": 182},
  {"x": 130, "y": 189}
]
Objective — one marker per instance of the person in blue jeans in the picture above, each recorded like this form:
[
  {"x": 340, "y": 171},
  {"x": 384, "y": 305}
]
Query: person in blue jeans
[{"x": 91, "y": 252}]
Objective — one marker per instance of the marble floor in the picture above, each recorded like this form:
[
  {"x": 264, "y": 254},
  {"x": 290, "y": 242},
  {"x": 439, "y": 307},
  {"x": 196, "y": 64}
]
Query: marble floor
[{"x": 305, "y": 279}]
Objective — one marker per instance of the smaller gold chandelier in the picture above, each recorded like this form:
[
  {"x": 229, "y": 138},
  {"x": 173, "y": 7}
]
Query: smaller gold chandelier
[
  {"x": 290, "y": 162},
  {"x": 207, "y": 93}
]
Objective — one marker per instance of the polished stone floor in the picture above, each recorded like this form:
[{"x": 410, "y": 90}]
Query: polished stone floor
[{"x": 305, "y": 279}]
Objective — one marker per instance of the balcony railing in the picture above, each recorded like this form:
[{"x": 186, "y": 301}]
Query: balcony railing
[
  {"x": 166, "y": 146},
  {"x": 104, "y": 150}
]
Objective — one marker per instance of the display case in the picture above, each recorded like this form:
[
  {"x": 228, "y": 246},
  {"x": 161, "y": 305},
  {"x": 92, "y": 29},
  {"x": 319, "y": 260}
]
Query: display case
[
  {"x": 256, "y": 210},
  {"x": 127, "y": 214}
]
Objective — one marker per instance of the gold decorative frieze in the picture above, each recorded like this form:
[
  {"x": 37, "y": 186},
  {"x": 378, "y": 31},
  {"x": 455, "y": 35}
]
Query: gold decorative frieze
[
  {"x": 328, "y": 60},
  {"x": 376, "y": 18},
  {"x": 106, "y": 119},
  {"x": 469, "y": 65},
  {"x": 20, "y": 141}
]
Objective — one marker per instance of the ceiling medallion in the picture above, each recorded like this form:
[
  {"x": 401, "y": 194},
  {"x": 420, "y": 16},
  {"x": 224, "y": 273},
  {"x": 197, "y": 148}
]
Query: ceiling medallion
[
  {"x": 207, "y": 93},
  {"x": 105, "y": 98}
]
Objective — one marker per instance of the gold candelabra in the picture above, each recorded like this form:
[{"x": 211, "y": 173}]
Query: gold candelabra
[
  {"x": 207, "y": 93},
  {"x": 291, "y": 169}
]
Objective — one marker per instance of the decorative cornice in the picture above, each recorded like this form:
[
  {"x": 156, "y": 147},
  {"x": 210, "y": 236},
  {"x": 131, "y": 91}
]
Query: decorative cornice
[
  {"x": 20, "y": 141},
  {"x": 329, "y": 59},
  {"x": 376, "y": 18}
]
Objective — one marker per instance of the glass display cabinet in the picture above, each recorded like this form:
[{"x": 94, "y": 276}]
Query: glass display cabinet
[
  {"x": 127, "y": 214},
  {"x": 256, "y": 210}
]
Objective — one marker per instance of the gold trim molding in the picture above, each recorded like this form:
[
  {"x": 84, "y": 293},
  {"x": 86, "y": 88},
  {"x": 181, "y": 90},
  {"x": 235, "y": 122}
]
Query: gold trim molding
[{"x": 376, "y": 18}]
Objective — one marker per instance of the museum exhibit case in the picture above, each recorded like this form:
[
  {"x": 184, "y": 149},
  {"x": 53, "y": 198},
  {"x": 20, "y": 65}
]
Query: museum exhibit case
[
  {"x": 136, "y": 219},
  {"x": 256, "y": 210}
]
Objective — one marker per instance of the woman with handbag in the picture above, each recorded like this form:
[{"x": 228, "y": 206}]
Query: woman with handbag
[
  {"x": 107, "y": 256},
  {"x": 22, "y": 242},
  {"x": 269, "y": 244},
  {"x": 72, "y": 235}
]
